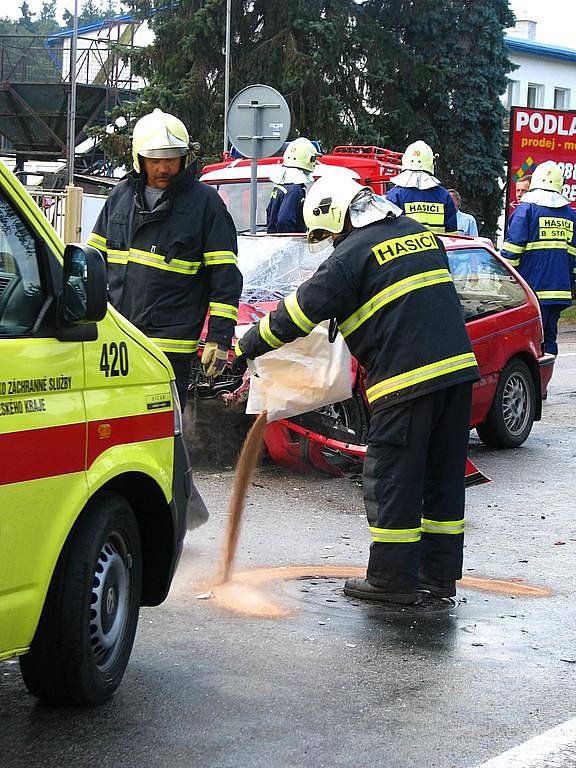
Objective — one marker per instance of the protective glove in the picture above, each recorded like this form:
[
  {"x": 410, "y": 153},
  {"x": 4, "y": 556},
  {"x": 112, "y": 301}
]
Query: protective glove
[
  {"x": 239, "y": 365},
  {"x": 214, "y": 358}
]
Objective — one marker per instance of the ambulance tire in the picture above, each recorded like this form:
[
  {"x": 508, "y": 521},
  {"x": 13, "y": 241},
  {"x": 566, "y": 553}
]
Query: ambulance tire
[
  {"x": 511, "y": 416},
  {"x": 86, "y": 631}
]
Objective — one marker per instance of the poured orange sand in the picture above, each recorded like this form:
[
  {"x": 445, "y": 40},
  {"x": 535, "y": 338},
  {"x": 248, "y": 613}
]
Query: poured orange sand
[{"x": 251, "y": 593}]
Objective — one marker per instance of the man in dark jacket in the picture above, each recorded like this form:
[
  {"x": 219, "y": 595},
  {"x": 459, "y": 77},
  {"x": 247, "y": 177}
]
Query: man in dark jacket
[
  {"x": 291, "y": 179},
  {"x": 170, "y": 246},
  {"x": 541, "y": 244},
  {"x": 389, "y": 288},
  {"x": 420, "y": 194}
]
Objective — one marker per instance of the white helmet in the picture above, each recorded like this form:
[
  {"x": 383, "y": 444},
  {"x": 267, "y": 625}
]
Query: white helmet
[
  {"x": 159, "y": 135},
  {"x": 418, "y": 157},
  {"x": 325, "y": 208},
  {"x": 547, "y": 176},
  {"x": 300, "y": 153}
]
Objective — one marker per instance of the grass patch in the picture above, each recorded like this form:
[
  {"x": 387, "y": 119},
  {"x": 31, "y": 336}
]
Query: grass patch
[{"x": 569, "y": 314}]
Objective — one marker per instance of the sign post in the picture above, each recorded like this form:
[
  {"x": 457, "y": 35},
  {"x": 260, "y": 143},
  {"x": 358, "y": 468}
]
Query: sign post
[
  {"x": 537, "y": 135},
  {"x": 258, "y": 125}
]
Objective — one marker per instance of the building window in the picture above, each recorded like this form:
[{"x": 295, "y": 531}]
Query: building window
[
  {"x": 561, "y": 98},
  {"x": 535, "y": 95},
  {"x": 513, "y": 94}
]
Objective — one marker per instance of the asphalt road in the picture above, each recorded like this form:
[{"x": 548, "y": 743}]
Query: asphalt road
[{"x": 336, "y": 683}]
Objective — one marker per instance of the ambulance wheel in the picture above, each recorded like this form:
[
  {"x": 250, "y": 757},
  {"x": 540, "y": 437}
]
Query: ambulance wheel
[
  {"x": 86, "y": 631},
  {"x": 510, "y": 419}
]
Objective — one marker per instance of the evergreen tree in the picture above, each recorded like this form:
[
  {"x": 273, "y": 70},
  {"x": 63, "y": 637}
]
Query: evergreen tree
[
  {"x": 386, "y": 72},
  {"x": 440, "y": 81},
  {"x": 473, "y": 139},
  {"x": 307, "y": 49},
  {"x": 408, "y": 69}
]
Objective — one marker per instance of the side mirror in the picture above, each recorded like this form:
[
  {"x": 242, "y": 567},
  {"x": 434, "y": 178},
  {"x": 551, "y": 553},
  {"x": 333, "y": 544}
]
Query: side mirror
[{"x": 84, "y": 294}]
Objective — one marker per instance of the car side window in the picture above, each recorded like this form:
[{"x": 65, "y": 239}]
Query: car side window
[
  {"x": 484, "y": 285},
  {"x": 21, "y": 292}
]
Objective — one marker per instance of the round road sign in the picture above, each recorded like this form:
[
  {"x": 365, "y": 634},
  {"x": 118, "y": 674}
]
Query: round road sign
[{"x": 258, "y": 121}]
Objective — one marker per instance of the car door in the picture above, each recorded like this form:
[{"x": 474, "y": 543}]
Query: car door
[{"x": 42, "y": 422}]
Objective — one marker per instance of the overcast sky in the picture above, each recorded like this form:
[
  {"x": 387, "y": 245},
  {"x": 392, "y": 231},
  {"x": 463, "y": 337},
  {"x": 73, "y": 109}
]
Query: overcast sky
[{"x": 556, "y": 18}]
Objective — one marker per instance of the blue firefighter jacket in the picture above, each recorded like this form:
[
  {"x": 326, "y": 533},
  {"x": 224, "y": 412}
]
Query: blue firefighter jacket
[
  {"x": 434, "y": 208},
  {"x": 284, "y": 211},
  {"x": 540, "y": 243}
]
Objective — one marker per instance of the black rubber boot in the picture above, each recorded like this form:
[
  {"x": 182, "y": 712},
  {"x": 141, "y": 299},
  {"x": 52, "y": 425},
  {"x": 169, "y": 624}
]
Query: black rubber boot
[
  {"x": 443, "y": 589},
  {"x": 363, "y": 590}
]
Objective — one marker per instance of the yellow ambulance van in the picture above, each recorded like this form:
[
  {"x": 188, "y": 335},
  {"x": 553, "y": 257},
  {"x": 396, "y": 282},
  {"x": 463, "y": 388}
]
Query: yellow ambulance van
[{"x": 95, "y": 481}]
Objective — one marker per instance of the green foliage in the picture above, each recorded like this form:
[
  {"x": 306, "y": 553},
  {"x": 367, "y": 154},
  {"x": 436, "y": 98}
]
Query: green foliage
[
  {"x": 383, "y": 72},
  {"x": 307, "y": 49},
  {"x": 473, "y": 141}
]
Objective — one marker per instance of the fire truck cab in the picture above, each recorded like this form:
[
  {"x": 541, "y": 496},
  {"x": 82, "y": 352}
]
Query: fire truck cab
[{"x": 369, "y": 165}]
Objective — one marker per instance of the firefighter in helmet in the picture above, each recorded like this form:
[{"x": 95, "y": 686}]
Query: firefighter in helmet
[
  {"x": 420, "y": 194},
  {"x": 388, "y": 285},
  {"x": 291, "y": 179},
  {"x": 170, "y": 246},
  {"x": 540, "y": 242}
]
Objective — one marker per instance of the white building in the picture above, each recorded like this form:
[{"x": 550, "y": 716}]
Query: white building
[
  {"x": 546, "y": 74},
  {"x": 96, "y": 63}
]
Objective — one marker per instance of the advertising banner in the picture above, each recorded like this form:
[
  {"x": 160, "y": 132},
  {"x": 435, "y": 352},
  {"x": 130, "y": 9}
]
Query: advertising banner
[{"x": 537, "y": 135}]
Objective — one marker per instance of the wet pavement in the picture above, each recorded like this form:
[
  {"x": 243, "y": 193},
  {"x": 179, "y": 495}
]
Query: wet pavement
[{"x": 331, "y": 682}]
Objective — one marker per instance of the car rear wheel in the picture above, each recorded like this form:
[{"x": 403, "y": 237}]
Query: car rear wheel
[
  {"x": 86, "y": 631},
  {"x": 510, "y": 419}
]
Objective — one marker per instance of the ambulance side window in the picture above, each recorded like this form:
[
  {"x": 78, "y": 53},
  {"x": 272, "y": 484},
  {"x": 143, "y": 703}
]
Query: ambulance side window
[{"x": 21, "y": 291}]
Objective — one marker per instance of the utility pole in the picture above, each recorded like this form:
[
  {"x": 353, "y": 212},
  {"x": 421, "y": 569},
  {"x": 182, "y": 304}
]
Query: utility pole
[
  {"x": 73, "y": 207},
  {"x": 227, "y": 71},
  {"x": 72, "y": 97}
]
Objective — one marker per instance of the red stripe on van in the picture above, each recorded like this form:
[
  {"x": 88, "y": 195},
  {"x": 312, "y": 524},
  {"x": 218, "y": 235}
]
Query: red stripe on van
[
  {"x": 127, "y": 429},
  {"x": 36, "y": 453}
]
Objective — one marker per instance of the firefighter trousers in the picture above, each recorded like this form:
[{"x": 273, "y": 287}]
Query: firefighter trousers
[
  {"x": 550, "y": 316},
  {"x": 414, "y": 477},
  {"x": 181, "y": 364}
]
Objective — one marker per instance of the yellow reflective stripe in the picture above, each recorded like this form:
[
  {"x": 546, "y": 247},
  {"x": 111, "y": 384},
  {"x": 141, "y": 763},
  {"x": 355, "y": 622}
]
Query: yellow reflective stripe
[
  {"x": 430, "y": 219},
  {"x": 229, "y": 311},
  {"x": 554, "y": 294},
  {"x": 298, "y": 317},
  {"x": 237, "y": 350},
  {"x": 572, "y": 250},
  {"x": 96, "y": 240},
  {"x": 149, "y": 259},
  {"x": 450, "y": 527},
  {"x": 216, "y": 258},
  {"x": 187, "y": 346},
  {"x": 540, "y": 245},
  {"x": 266, "y": 333},
  {"x": 512, "y": 262},
  {"x": 506, "y": 246},
  {"x": 393, "y": 292},
  {"x": 418, "y": 375},
  {"x": 117, "y": 257},
  {"x": 396, "y": 535}
]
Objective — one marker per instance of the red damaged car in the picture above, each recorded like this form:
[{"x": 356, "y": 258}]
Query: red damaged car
[{"x": 503, "y": 320}]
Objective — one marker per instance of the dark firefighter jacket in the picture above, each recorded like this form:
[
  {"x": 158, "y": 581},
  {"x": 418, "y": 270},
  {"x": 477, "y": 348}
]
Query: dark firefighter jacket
[
  {"x": 390, "y": 290},
  {"x": 284, "y": 212},
  {"x": 434, "y": 208},
  {"x": 540, "y": 243},
  {"x": 168, "y": 267}
]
